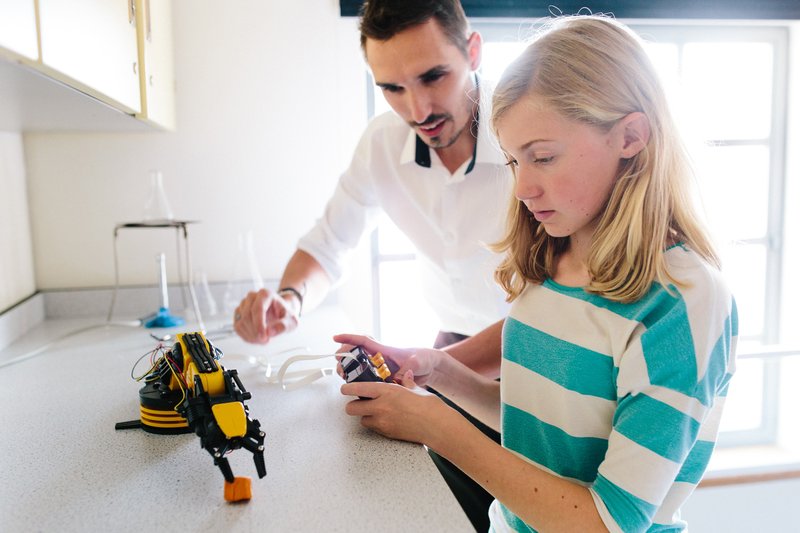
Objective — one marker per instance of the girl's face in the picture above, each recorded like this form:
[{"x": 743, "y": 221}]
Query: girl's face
[{"x": 565, "y": 169}]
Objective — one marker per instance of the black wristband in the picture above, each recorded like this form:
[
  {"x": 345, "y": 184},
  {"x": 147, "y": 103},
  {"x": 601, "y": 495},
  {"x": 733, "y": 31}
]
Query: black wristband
[{"x": 296, "y": 293}]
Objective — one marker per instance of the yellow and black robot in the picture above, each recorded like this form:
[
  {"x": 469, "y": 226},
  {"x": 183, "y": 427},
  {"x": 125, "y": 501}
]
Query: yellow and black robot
[{"x": 187, "y": 390}]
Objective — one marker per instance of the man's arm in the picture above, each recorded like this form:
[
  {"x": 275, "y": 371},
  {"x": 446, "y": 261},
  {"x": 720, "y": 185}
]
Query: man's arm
[
  {"x": 304, "y": 274},
  {"x": 481, "y": 352}
]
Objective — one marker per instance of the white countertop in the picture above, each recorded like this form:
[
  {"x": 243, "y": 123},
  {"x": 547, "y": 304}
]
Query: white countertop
[{"x": 65, "y": 468}]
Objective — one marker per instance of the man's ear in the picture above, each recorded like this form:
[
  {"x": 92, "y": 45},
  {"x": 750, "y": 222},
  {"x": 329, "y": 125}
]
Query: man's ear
[
  {"x": 474, "y": 50},
  {"x": 636, "y": 133}
]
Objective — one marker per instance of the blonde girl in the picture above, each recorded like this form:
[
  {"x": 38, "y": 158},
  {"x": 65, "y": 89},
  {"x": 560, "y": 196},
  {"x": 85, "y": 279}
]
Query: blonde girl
[{"x": 618, "y": 349}]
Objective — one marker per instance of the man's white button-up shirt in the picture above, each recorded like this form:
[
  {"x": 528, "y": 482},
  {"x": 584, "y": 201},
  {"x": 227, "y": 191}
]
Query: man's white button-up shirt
[{"x": 450, "y": 218}]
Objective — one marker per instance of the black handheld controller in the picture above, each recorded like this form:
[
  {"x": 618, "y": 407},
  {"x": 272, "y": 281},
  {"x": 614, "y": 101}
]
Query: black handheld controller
[{"x": 358, "y": 365}]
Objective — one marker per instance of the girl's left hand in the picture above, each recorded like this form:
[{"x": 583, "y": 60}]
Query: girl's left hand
[
  {"x": 403, "y": 412},
  {"x": 420, "y": 361}
]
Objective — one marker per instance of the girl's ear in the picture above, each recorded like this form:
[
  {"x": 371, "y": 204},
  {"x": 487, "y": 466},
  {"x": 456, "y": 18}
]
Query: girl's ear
[{"x": 636, "y": 133}]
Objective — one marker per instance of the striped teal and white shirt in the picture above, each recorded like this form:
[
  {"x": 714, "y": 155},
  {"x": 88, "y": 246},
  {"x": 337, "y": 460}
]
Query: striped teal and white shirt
[{"x": 622, "y": 398}]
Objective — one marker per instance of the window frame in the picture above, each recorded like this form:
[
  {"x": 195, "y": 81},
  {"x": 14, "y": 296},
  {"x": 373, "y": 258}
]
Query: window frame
[
  {"x": 654, "y": 9},
  {"x": 773, "y": 240},
  {"x": 681, "y": 32}
]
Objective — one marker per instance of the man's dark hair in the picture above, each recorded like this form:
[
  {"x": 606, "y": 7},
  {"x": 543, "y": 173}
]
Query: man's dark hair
[{"x": 383, "y": 19}]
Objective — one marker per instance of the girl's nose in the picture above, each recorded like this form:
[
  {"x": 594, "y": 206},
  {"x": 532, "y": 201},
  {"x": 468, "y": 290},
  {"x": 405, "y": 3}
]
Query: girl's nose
[{"x": 527, "y": 186}]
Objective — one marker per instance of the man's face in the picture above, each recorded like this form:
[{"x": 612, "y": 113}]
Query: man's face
[{"x": 426, "y": 80}]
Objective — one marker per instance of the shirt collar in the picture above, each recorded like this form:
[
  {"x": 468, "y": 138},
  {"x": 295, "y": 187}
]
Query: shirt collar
[
  {"x": 485, "y": 150},
  {"x": 422, "y": 152}
]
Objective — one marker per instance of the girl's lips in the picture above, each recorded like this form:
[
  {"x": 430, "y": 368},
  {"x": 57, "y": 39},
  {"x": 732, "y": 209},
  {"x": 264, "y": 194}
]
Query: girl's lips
[
  {"x": 434, "y": 131},
  {"x": 542, "y": 216}
]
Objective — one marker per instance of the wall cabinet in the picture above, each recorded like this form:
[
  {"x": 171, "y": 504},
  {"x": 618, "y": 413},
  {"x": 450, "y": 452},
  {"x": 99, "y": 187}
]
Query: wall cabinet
[
  {"x": 156, "y": 71},
  {"x": 91, "y": 45},
  {"x": 18, "y": 28},
  {"x": 99, "y": 65}
]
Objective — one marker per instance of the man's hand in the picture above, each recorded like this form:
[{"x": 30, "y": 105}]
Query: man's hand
[{"x": 263, "y": 314}]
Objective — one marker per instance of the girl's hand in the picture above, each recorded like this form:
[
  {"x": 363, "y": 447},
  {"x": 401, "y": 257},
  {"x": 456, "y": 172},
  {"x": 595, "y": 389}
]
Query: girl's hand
[
  {"x": 403, "y": 412},
  {"x": 420, "y": 361}
]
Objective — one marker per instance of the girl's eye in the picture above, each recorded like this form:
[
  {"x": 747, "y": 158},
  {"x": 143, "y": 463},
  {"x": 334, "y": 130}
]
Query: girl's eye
[
  {"x": 543, "y": 160},
  {"x": 511, "y": 163}
]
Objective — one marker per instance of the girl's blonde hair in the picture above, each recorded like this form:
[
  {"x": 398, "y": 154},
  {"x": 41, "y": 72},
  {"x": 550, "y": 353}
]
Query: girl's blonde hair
[{"x": 594, "y": 70}]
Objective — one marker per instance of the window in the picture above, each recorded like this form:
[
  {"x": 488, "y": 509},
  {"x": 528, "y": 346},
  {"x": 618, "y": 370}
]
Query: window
[{"x": 727, "y": 87}]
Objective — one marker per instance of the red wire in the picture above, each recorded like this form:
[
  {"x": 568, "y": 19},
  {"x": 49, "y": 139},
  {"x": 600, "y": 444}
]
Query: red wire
[{"x": 176, "y": 370}]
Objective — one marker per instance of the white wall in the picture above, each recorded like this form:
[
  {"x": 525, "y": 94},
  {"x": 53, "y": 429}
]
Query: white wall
[
  {"x": 16, "y": 258},
  {"x": 270, "y": 103}
]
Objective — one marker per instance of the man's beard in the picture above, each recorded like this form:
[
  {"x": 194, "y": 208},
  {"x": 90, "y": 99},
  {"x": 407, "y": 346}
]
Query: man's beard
[{"x": 438, "y": 141}]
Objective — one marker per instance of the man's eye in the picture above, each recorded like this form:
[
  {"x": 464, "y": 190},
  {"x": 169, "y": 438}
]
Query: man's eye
[
  {"x": 390, "y": 88},
  {"x": 432, "y": 77}
]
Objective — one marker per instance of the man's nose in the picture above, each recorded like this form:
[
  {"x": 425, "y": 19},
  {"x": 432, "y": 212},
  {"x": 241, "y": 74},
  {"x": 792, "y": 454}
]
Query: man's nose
[{"x": 419, "y": 106}]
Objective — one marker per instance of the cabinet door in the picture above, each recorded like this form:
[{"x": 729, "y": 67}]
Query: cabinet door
[
  {"x": 91, "y": 44},
  {"x": 18, "y": 28},
  {"x": 157, "y": 83}
]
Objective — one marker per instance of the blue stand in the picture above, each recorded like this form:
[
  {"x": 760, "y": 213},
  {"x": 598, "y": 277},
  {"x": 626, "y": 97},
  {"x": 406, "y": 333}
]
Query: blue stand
[{"x": 162, "y": 319}]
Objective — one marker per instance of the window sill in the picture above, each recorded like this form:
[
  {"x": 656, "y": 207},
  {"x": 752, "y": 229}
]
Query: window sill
[{"x": 751, "y": 464}]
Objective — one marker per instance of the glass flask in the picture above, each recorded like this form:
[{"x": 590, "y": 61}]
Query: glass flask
[{"x": 157, "y": 207}]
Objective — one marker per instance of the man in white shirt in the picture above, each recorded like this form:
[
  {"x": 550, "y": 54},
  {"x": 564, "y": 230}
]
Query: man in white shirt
[{"x": 434, "y": 167}]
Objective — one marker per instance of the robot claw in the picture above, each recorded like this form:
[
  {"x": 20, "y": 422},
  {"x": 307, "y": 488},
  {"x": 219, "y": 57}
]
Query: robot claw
[{"x": 187, "y": 390}]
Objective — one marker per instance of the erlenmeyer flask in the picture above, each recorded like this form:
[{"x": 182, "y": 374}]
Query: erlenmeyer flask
[{"x": 157, "y": 207}]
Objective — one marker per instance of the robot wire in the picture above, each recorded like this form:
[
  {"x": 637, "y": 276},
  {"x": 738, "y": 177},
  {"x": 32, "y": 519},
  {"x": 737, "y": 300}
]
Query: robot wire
[{"x": 41, "y": 349}]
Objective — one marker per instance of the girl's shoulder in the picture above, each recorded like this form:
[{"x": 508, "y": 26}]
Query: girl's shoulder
[
  {"x": 698, "y": 288},
  {"x": 695, "y": 276}
]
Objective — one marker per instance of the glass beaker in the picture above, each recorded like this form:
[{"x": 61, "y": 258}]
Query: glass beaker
[{"x": 157, "y": 207}]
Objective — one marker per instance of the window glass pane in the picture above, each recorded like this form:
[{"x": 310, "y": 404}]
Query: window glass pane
[
  {"x": 728, "y": 89},
  {"x": 744, "y": 404},
  {"x": 734, "y": 183},
  {"x": 496, "y": 56},
  {"x": 789, "y": 400},
  {"x": 665, "y": 59},
  {"x": 406, "y": 318},
  {"x": 744, "y": 267}
]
